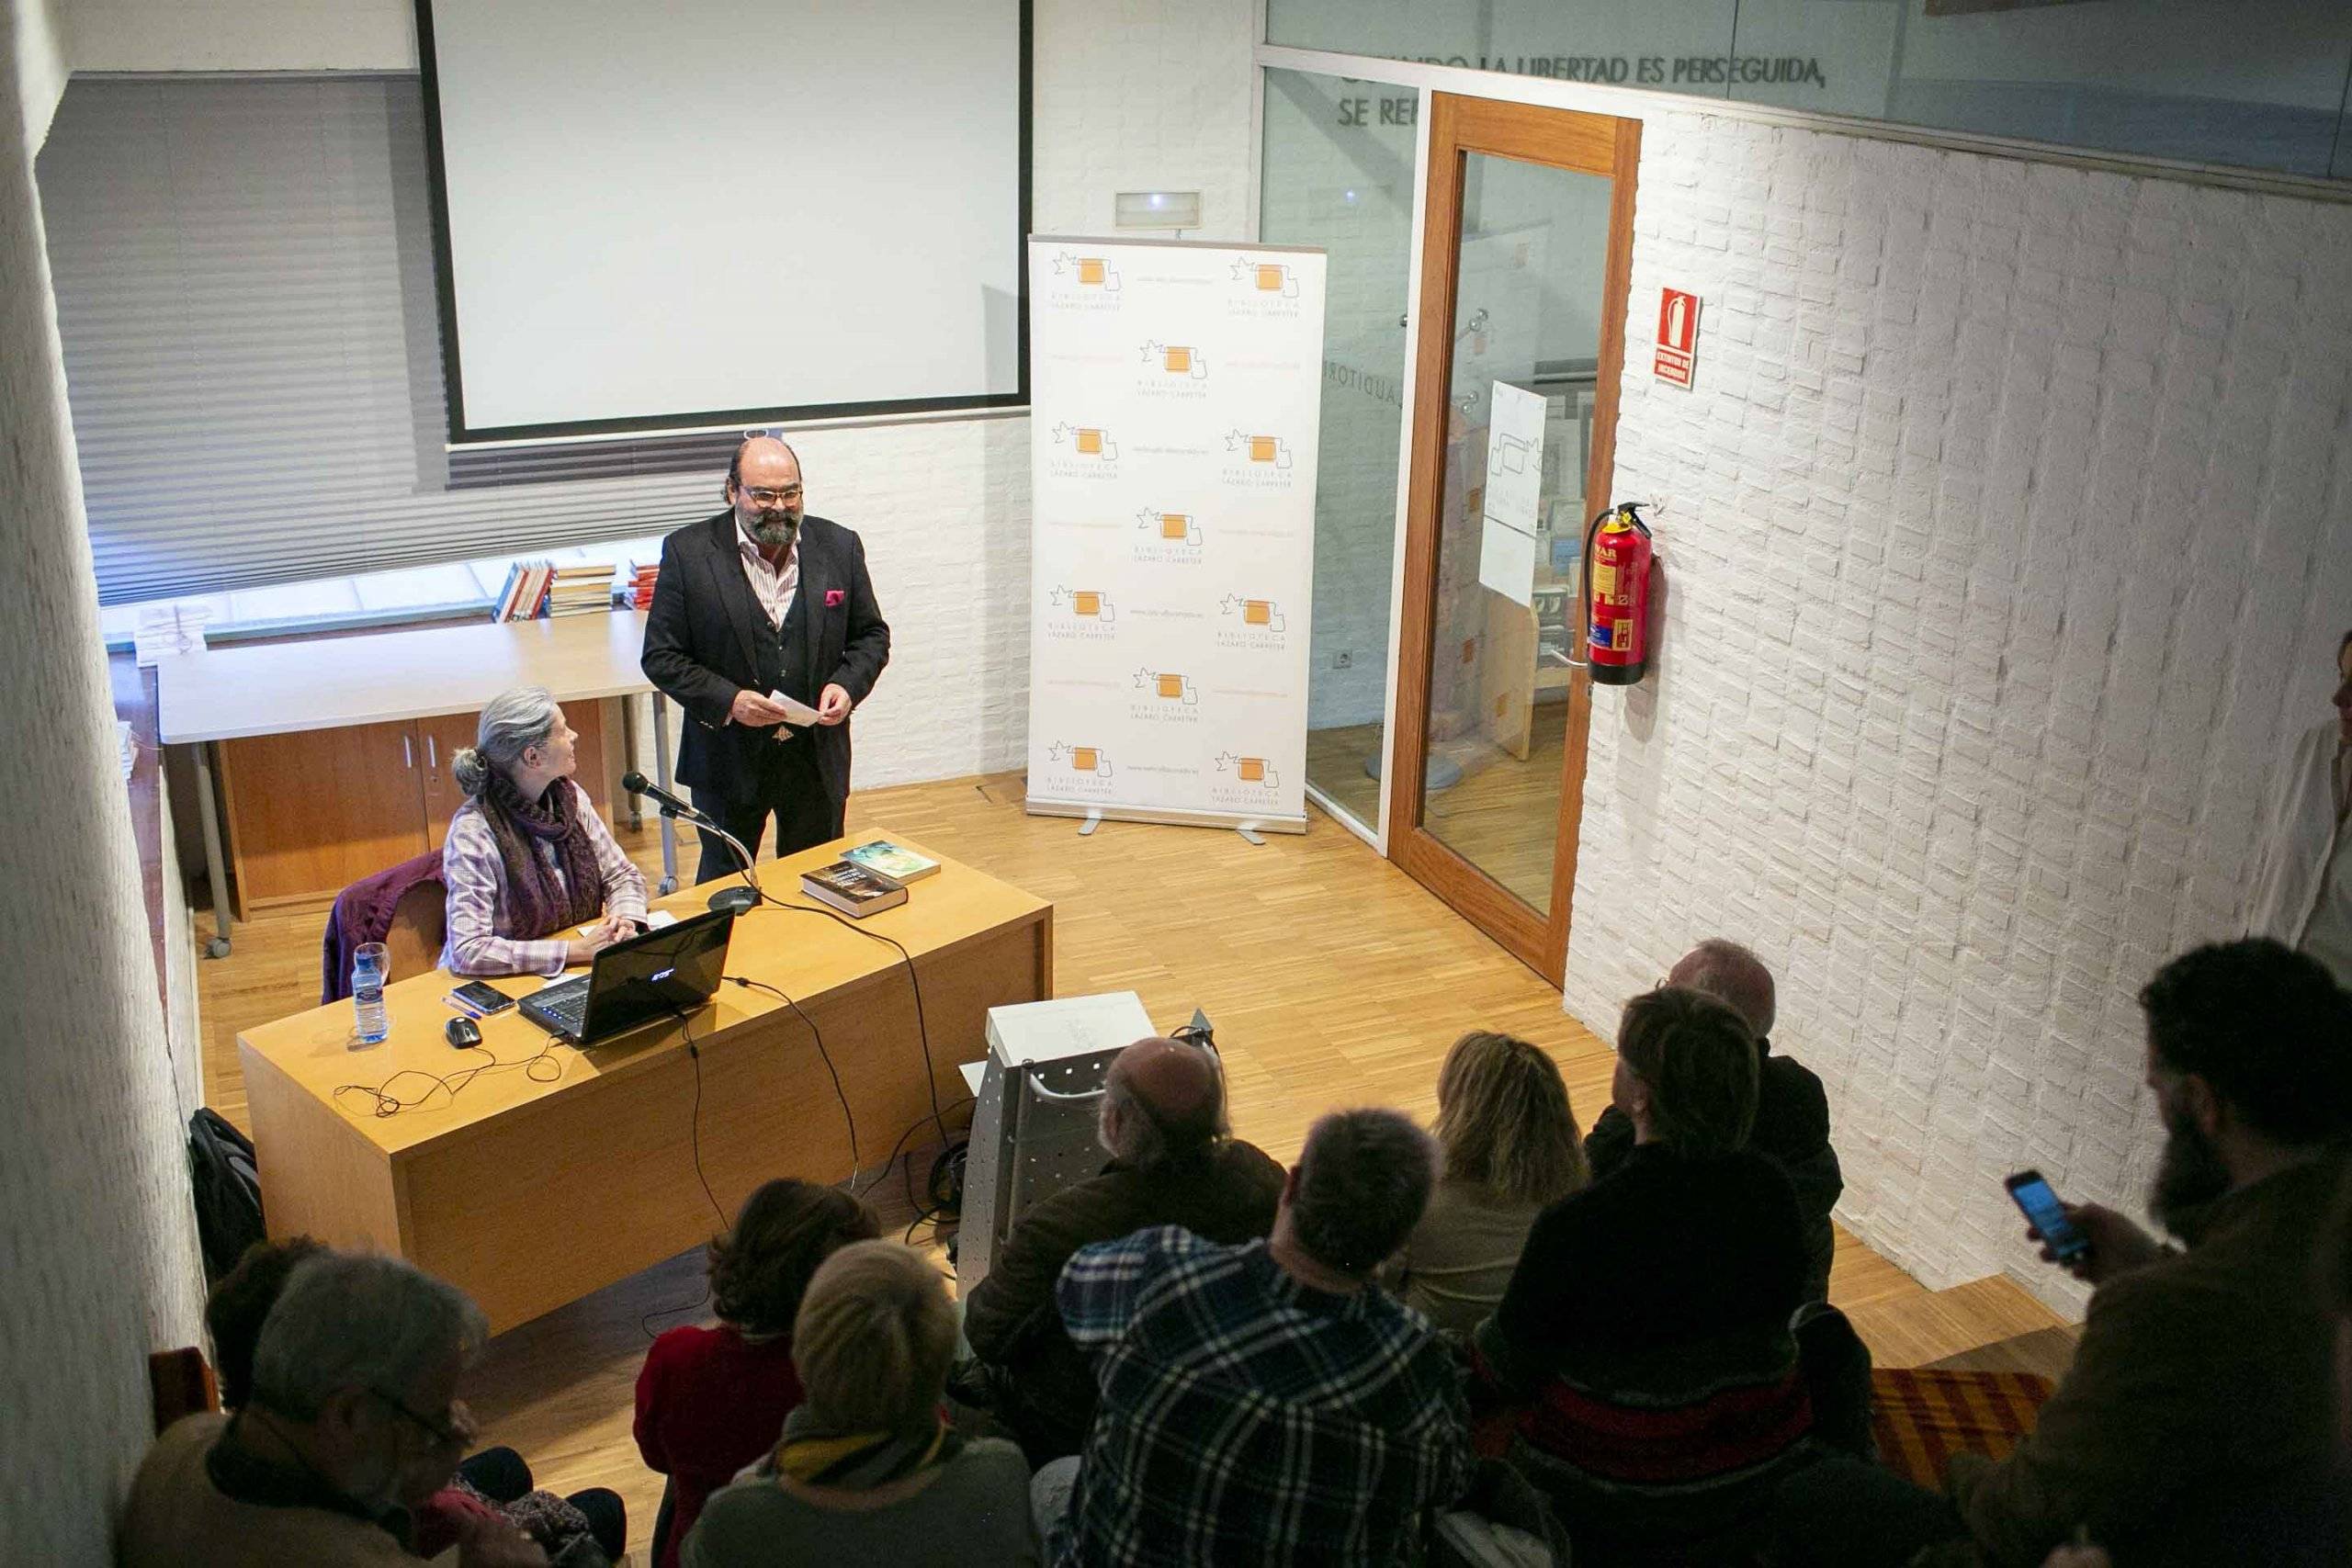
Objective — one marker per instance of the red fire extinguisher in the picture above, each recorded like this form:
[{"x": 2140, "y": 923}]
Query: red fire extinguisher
[{"x": 1617, "y": 554}]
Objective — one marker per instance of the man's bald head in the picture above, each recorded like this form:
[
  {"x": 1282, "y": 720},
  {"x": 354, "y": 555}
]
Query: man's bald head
[
  {"x": 1162, "y": 1098},
  {"x": 1729, "y": 973}
]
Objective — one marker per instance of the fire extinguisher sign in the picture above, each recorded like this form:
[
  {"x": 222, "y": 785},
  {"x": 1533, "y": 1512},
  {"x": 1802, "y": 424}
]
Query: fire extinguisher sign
[{"x": 1678, "y": 337}]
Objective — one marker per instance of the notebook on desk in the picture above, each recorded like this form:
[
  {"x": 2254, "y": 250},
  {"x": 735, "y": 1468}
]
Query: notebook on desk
[{"x": 662, "y": 974}]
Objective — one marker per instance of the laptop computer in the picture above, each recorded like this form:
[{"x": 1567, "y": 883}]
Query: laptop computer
[{"x": 661, "y": 974}]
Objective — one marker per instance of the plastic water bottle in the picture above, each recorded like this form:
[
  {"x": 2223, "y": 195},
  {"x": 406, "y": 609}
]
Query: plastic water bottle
[{"x": 368, "y": 975}]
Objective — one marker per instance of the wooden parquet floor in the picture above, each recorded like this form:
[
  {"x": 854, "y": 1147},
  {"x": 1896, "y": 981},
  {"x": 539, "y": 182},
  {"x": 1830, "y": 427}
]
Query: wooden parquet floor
[{"x": 1332, "y": 979}]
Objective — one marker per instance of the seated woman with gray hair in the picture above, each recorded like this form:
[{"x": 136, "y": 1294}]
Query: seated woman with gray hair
[
  {"x": 868, "y": 1469},
  {"x": 529, "y": 860}
]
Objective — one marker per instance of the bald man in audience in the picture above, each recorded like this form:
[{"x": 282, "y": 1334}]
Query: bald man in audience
[
  {"x": 1791, "y": 1111},
  {"x": 1173, "y": 1162}
]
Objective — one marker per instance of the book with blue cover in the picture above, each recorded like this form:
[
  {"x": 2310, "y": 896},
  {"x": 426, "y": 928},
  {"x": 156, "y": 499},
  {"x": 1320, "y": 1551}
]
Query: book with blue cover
[{"x": 893, "y": 860}]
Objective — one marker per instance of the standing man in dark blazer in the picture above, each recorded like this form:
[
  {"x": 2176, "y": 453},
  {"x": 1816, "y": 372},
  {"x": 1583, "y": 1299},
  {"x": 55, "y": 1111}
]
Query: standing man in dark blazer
[{"x": 764, "y": 598}]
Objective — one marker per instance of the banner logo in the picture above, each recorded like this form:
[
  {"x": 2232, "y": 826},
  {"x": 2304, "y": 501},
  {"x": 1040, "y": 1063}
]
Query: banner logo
[
  {"x": 1080, "y": 759},
  {"x": 1259, "y": 614},
  {"x": 1249, "y": 770},
  {"x": 1250, "y": 448},
  {"x": 1277, "y": 279},
  {"x": 1176, "y": 359},
  {"x": 1171, "y": 527},
  {"x": 1087, "y": 441},
  {"x": 1169, "y": 686},
  {"x": 1091, "y": 272}
]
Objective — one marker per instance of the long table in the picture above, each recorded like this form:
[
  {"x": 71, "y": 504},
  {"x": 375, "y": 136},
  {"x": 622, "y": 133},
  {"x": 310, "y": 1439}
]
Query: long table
[
  {"x": 530, "y": 1185},
  {"x": 307, "y": 684}
]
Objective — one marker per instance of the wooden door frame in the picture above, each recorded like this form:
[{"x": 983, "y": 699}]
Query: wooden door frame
[{"x": 1585, "y": 143}]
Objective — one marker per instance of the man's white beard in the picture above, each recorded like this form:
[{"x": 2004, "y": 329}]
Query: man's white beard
[{"x": 774, "y": 533}]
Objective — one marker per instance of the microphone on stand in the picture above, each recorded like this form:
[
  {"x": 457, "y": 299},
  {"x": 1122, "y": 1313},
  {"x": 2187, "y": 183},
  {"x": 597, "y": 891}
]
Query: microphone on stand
[{"x": 737, "y": 900}]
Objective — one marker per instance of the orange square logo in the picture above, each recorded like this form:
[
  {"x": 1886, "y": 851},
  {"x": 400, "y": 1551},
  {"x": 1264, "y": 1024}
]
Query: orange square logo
[
  {"x": 1089, "y": 442},
  {"x": 1253, "y": 770},
  {"x": 1082, "y": 758},
  {"x": 1262, "y": 448},
  {"x": 1177, "y": 360},
  {"x": 1088, "y": 602},
  {"x": 1257, "y": 612},
  {"x": 1171, "y": 685},
  {"x": 1270, "y": 279},
  {"x": 1174, "y": 526},
  {"x": 1091, "y": 270}
]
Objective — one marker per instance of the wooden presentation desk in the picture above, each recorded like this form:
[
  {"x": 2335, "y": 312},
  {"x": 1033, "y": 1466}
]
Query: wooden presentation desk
[
  {"x": 334, "y": 749},
  {"x": 529, "y": 1194}
]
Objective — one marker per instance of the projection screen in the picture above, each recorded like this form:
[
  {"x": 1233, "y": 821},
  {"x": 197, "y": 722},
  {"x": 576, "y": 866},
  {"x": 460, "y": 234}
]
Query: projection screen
[{"x": 701, "y": 212}]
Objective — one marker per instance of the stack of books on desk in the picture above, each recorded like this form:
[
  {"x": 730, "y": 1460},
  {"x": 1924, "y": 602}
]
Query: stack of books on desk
[
  {"x": 638, "y": 585},
  {"x": 579, "y": 590},
  {"x": 526, "y": 590}
]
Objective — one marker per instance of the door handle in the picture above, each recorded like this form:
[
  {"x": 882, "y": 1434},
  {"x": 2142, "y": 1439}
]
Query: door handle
[
  {"x": 408, "y": 752},
  {"x": 431, "y": 756}
]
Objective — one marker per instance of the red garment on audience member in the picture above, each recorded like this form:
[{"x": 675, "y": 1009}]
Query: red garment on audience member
[{"x": 709, "y": 1403}]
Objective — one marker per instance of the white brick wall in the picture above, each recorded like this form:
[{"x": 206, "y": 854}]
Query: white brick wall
[
  {"x": 2010, "y": 540},
  {"x": 97, "y": 1235}
]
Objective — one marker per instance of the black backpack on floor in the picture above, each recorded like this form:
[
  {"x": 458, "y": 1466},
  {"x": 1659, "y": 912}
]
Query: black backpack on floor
[{"x": 228, "y": 1191}]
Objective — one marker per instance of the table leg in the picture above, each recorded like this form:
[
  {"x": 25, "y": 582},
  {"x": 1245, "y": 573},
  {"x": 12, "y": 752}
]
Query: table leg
[
  {"x": 628, "y": 749},
  {"x": 662, "y": 776},
  {"x": 213, "y": 870}
]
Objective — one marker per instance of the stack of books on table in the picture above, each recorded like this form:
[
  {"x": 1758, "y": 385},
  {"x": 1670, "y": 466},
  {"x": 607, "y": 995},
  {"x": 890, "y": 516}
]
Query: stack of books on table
[
  {"x": 638, "y": 584},
  {"x": 526, "y": 593},
  {"x": 577, "y": 589}
]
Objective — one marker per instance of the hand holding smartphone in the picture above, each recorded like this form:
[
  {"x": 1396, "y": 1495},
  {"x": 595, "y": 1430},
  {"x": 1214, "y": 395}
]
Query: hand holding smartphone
[{"x": 2047, "y": 1215}]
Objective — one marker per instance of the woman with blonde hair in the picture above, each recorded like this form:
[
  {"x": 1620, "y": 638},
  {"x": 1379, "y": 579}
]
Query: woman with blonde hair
[
  {"x": 1507, "y": 1137},
  {"x": 869, "y": 1471},
  {"x": 528, "y": 859}
]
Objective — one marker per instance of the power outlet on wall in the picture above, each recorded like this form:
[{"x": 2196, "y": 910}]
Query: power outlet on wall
[{"x": 1343, "y": 659}]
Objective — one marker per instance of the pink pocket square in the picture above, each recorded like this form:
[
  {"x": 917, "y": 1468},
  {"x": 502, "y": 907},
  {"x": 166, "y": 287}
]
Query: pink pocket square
[{"x": 834, "y": 596}]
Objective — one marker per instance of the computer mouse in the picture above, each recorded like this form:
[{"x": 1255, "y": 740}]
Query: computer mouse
[{"x": 462, "y": 1031}]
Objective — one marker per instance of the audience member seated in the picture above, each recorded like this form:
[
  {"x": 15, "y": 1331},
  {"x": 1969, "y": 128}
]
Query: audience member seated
[
  {"x": 868, "y": 1469},
  {"x": 585, "y": 1529},
  {"x": 1507, "y": 1146},
  {"x": 1266, "y": 1403},
  {"x": 528, "y": 858},
  {"x": 1172, "y": 1163},
  {"x": 1791, "y": 1127},
  {"x": 2198, "y": 1423},
  {"x": 1648, "y": 1320},
  {"x": 350, "y": 1418},
  {"x": 711, "y": 1401}
]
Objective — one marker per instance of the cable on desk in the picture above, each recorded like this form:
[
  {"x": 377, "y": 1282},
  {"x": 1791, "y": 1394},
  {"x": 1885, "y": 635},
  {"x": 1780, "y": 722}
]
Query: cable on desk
[{"x": 384, "y": 1102}]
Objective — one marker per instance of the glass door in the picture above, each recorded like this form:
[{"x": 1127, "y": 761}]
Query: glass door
[{"x": 1526, "y": 255}]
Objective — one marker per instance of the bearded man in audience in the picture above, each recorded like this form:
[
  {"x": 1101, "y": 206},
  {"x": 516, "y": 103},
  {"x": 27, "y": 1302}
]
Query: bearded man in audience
[{"x": 2198, "y": 1423}]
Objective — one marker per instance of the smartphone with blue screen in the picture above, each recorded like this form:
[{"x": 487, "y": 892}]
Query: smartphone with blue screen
[{"x": 2046, "y": 1215}]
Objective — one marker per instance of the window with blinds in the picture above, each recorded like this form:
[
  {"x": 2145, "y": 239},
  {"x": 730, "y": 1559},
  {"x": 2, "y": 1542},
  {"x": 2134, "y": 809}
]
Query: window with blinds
[{"x": 244, "y": 271}]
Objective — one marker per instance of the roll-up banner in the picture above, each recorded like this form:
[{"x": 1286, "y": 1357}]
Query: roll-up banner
[{"x": 1175, "y": 399}]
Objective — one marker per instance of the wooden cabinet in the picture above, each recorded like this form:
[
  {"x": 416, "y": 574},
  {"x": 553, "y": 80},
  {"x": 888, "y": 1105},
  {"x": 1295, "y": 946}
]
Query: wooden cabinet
[{"x": 309, "y": 813}]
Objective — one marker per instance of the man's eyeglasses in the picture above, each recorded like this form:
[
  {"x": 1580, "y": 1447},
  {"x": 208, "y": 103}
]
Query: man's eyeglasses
[
  {"x": 772, "y": 497},
  {"x": 458, "y": 1435}
]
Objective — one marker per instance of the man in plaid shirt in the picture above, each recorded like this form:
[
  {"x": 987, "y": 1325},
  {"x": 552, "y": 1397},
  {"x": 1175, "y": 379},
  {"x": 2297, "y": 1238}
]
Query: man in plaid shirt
[{"x": 1265, "y": 1403}]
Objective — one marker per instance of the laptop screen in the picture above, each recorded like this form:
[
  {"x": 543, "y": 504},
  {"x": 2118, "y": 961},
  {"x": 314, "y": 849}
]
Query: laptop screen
[{"x": 660, "y": 975}]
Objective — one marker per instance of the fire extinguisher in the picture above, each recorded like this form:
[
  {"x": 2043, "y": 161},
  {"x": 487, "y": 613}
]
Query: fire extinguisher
[{"x": 1617, "y": 552}]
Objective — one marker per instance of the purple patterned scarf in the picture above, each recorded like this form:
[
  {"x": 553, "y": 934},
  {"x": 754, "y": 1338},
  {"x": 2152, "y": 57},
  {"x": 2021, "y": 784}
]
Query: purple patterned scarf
[{"x": 536, "y": 905}]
